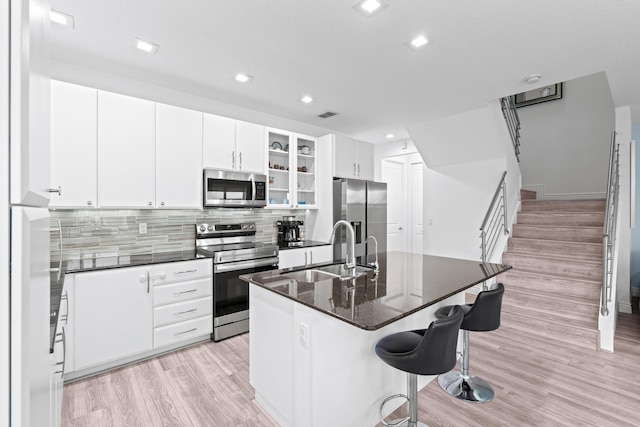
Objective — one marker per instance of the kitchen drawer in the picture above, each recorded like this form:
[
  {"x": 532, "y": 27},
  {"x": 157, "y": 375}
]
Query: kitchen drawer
[
  {"x": 180, "y": 271},
  {"x": 182, "y": 291},
  {"x": 181, "y": 311},
  {"x": 177, "y": 332}
]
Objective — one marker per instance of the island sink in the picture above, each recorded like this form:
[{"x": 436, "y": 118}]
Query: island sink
[{"x": 327, "y": 272}]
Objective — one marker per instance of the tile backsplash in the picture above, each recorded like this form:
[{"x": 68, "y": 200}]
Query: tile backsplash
[{"x": 96, "y": 232}]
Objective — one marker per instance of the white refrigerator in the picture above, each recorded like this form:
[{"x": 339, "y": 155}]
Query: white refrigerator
[{"x": 25, "y": 361}]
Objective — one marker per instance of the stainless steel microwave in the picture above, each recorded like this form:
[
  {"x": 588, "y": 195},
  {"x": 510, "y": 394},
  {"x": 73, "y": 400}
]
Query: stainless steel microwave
[{"x": 234, "y": 189}]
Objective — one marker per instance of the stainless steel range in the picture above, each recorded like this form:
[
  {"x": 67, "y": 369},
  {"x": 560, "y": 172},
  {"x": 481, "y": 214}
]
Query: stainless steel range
[{"x": 234, "y": 252}]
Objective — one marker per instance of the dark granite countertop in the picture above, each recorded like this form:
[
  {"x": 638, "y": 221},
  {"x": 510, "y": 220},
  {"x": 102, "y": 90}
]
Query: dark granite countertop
[
  {"x": 376, "y": 301},
  {"x": 103, "y": 263},
  {"x": 303, "y": 244}
]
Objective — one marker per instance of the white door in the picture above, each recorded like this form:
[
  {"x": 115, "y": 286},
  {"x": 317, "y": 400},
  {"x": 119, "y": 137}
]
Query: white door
[
  {"x": 393, "y": 173},
  {"x": 74, "y": 145},
  {"x": 178, "y": 157},
  {"x": 416, "y": 225},
  {"x": 126, "y": 145}
]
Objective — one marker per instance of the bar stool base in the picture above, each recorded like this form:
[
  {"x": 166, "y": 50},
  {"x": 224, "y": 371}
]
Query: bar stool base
[{"x": 469, "y": 388}]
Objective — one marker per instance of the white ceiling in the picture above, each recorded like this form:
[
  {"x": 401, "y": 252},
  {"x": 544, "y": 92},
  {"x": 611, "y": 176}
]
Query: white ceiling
[{"x": 358, "y": 66}]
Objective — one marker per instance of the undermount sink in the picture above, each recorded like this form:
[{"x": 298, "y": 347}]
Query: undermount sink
[
  {"x": 326, "y": 272},
  {"x": 310, "y": 276},
  {"x": 340, "y": 270}
]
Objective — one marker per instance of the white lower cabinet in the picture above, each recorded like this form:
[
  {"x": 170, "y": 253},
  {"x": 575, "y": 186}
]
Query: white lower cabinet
[
  {"x": 183, "y": 301},
  {"x": 305, "y": 256},
  {"x": 113, "y": 315},
  {"x": 58, "y": 362},
  {"x": 119, "y": 315}
]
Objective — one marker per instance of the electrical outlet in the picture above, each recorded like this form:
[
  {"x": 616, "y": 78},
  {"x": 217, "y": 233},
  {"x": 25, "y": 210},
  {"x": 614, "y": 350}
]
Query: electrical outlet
[
  {"x": 142, "y": 228},
  {"x": 304, "y": 335},
  {"x": 429, "y": 221}
]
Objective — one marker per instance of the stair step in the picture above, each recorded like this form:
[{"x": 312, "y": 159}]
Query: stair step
[
  {"x": 555, "y": 304},
  {"x": 528, "y": 195},
  {"x": 579, "y": 290},
  {"x": 555, "y": 247},
  {"x": 562, "y": 266},
  {"x": 564, "y": 205},
  {"x": 593, "y": 219},
  {"x": 563, "y": 233}
]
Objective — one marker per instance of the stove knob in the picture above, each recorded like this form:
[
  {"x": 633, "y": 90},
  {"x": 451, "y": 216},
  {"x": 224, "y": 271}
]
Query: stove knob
[
  {"x": 250, "y": 226},
  {"x": 210, "y": 228},
  {"x": 203, "y": 228}
]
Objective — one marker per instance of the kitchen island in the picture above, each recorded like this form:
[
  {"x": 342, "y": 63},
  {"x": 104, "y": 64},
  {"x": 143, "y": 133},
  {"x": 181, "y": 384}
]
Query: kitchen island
[{"x": 312, "y": 358}]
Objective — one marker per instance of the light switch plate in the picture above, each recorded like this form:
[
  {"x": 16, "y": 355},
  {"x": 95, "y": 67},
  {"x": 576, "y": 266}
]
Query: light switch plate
[{"x": 304, "y": 335}]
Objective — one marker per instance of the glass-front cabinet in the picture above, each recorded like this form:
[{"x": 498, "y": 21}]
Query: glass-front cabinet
[{"x": 291, "y": 170}]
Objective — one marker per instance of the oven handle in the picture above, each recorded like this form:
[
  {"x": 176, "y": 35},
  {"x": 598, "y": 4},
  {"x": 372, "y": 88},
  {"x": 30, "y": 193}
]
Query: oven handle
[{"x": 241, "y": 265}]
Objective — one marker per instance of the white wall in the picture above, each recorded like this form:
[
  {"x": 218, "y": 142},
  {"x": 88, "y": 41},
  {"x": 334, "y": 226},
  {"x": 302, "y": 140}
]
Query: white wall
[
  {"x": 465, "y": 155},
  {"x": 623, "y": 137},
  {"x": 565, "y": 142}
]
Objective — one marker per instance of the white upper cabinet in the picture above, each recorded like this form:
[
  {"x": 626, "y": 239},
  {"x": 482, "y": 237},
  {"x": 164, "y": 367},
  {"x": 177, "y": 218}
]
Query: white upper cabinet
[
  {"x": 250, "y": 150},
  {"x": 126, "y": 142},
  {"x": 178, "y": 157},
  {"x": 74, "y": 145},
  {"x": 219, "y": 142},
  {"x": 233, "y": 144},
  {"x": 352, "y": 158}
]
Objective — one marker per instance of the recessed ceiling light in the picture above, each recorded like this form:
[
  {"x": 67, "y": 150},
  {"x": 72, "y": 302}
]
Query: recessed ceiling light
[
  {"x": 146, "y": 46},
  {"x": 61, "y": 18},
  {"x": 370, "y": 7},
  {"x": 306, "y": 99},
  {"x": 418, "y": 42},
  {"x": 533, "y": 78},
  {"x": 389, "y": 136},
  {"x": 243, "y": 78}
]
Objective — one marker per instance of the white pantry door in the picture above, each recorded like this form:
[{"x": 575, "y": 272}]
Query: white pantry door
[{"x": 393, "y": 173}]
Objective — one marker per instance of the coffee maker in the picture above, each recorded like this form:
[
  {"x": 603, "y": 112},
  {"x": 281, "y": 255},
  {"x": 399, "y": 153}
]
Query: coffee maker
[{"x": 289, "y": 232}]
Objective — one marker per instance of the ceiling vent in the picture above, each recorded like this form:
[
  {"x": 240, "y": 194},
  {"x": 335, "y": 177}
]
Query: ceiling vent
[{"x": 327, "y": 115}]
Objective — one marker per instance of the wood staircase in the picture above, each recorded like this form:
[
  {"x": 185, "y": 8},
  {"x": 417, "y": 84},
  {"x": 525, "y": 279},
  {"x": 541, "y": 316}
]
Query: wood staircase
[{"x": 556, "y": 253}]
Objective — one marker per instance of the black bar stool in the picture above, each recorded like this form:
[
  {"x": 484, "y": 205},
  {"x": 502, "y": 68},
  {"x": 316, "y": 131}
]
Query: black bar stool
[
  {"x": 429, "y": 351},
  {"x": 481, "y": 316}
]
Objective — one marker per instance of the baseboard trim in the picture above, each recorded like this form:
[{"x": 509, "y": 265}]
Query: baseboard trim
[
  {"x": 625, "y": 307},
  {"x": 635, "y": 292},
  {"x": 543, "y": 195}
]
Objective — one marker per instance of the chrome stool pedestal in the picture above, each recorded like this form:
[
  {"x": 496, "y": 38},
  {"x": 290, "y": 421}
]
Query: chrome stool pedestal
[{"x": 463, "y": 386}]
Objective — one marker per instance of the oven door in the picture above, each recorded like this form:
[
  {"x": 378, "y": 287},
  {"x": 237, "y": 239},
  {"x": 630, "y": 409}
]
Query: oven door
[{"x": 231, "y": 295}]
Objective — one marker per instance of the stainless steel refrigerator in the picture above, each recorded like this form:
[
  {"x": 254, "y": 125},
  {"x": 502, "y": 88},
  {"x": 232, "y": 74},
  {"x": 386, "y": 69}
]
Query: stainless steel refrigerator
[{"x": 364, "y": 205}]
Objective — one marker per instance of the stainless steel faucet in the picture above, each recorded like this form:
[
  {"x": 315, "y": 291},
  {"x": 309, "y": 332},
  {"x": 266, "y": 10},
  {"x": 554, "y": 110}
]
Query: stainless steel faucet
[
  {"x": 351, "y": 243},
  {"x": 375, "y": 264}
]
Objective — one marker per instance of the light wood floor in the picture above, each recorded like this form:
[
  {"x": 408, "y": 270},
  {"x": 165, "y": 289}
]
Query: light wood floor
[{"x": 540, "y": 379}]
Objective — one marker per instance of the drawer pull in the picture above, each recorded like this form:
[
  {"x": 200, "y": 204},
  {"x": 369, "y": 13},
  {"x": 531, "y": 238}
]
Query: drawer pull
[
  {"x": 185, "y": 272},
  {"x": 185, "y": 292},
  {"x": 185, "y": 332},
  {"x": 185, "y": 312}
]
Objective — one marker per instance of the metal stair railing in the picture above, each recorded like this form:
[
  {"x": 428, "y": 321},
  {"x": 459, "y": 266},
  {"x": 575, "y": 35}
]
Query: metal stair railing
[
  {"x": 513, "y": 122},
  {"x": 495, "y": 221},
  {"x": 609, "y": 246}
]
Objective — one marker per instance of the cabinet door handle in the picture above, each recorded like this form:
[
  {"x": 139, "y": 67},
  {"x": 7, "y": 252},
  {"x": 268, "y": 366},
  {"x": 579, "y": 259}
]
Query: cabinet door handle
[
  {"x": 358, "y": 169},
  {"x": 150, "y": 203},
  {"x": 185, "y": 272},
  {"x": 305, "y": 258},
  {"x": 184, "y": 292},
  {"x": 185, "y": 332},
  {"x": 89, "y": 203},
  {"x": 354, "y": 170},
  {"x": 56, "y": 190},
  {"x": 148, "y": 282},
  {"x": 310, "y": 257},
  {"x": 240, "y": 157},
  {"x": 233, "y": 160},
  {"x": 161, "y": 203}
]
